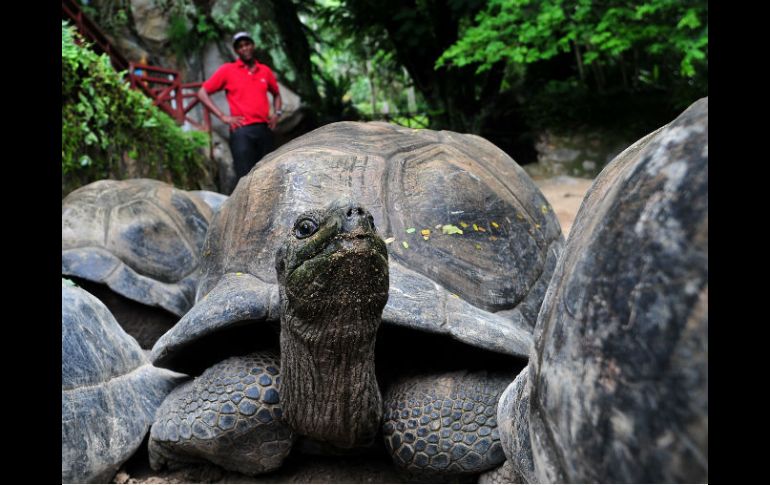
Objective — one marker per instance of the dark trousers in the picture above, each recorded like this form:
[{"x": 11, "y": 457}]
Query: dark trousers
[{"x": 248, "y": 145}]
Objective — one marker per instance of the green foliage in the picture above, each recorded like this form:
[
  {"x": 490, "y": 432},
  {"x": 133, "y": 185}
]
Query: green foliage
[
  {"x": 106, "y": 125},
  {"x": 336, "y": 104},
  {"x": 256, "y": 18},
  {"x": 190, "y": 31},
  {"x": 525, "y": 31},
  {"x": 414, "y": 121},
  {"x": 582, "y": 61},
  {"x": 362, "y": 53},
  {"x": 111, "y": 16}
]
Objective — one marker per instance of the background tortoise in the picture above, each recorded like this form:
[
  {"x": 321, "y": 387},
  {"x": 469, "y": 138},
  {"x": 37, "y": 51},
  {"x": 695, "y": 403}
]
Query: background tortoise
[
  {"x": 110, "y": 391},
  {"x": 213, "y": 199},
  {"x": 141, "y": 238},
  {"x": 482, "y": 286},
  {"x": 618, "y": 379}
]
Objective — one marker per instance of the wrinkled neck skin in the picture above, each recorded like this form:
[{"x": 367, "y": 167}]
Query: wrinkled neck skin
[{"x": 329, "y": 391}]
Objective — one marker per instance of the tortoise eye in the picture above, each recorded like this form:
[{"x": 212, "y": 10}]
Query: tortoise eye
[{"x": 305, "y": 228}]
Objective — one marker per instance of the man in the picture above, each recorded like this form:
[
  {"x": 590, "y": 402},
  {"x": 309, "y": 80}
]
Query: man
[{"x": 246, "y": 83}]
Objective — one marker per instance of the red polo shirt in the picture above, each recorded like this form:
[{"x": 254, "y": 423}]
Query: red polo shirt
[{"x": 246, "y": 92}]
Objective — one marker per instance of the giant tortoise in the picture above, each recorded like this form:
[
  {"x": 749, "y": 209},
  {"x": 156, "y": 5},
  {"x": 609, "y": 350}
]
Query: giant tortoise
[
  {"x": 110, "y": 391},
  {"x": 470, "y": 244},
  {"x": 617, "y": 385},
  {"x": 141, "y": 238}
]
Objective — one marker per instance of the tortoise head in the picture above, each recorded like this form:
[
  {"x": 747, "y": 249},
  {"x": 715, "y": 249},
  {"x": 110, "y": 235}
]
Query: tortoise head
[{"x": 333, "y": 279}]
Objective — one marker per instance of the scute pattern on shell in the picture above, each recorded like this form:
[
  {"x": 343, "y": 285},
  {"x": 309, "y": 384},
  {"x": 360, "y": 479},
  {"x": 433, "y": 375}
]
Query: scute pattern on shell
[
  {"x": 405, "y": 178},
  {"x": 110, "y": 391},
  {"x": 140, "y": 237}
]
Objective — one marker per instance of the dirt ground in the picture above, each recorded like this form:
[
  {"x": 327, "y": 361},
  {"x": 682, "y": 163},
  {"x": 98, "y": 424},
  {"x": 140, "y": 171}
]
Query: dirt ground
[
  {"x": 564, "y": 193},
  {"x": 373, "y": 467}
]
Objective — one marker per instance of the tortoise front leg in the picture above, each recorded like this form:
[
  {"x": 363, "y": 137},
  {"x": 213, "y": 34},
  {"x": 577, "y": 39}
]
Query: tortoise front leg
[
  {"x": 229, "y": 416},
  {"x": 444, "y": 424}
]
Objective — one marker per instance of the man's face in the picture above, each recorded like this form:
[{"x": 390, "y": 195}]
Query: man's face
[{"x": 245, "y": 50}]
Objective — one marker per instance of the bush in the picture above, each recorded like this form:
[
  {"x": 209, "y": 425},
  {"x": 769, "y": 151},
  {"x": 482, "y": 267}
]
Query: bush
[{"x": 108, "y": 127}]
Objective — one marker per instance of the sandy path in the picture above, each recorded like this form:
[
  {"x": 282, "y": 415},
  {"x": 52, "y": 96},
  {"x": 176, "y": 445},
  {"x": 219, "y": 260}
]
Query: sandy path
[{"x": 565, "y": 194}]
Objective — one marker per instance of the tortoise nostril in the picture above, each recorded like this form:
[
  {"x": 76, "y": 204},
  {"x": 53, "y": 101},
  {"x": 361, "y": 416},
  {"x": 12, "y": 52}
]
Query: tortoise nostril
[{"x": 355, "y": 211}]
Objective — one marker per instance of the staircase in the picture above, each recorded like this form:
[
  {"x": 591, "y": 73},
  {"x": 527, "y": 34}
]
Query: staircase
[{"x": 163, "y": 85}]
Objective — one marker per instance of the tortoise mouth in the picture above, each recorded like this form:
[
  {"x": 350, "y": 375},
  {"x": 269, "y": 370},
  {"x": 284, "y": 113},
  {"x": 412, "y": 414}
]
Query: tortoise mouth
[
  {"x": 362, "y": 245},
  {"x": 353, "y": 242}
]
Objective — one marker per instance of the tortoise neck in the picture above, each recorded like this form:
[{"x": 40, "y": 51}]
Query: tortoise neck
[{"x": 329, "y": 390}]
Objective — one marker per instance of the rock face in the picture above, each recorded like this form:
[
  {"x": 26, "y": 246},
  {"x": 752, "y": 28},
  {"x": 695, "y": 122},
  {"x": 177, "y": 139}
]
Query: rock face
[
  {"x": 151, "y": 21},
  {"x": 619, "y": 374},
  {"x": 110, "y": 391}
]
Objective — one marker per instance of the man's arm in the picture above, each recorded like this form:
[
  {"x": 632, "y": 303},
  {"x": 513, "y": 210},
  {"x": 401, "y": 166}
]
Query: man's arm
[
  {"x": 234, "y": 121},
  {"x": 277, "y": 103}
]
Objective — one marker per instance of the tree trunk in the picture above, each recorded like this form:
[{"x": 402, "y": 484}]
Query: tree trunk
[
  {"x": 455, "y": 96},
  {"x": 373, "y": 92},
  {"x": 623, "y": 73},
  {"x": 297, "y": 49},
  {"x": 579, "y": 59}
]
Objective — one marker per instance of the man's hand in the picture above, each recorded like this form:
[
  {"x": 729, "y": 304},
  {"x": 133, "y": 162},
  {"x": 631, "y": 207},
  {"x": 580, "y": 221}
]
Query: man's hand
[
  {"x": 233, "y": 121},
  {"x": 272, "y": 121}
]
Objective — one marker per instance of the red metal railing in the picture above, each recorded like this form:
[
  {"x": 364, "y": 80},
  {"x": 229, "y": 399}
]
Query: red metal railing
[
  {"x": 169, "y": 93},
  {"x": 71, "y": 10},
  {"x": 162, "y": 85}
]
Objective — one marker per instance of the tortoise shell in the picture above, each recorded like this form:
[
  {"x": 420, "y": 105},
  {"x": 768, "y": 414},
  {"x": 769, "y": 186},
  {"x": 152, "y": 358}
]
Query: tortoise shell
[
  {"x": 411, "y": 181},
  {"x": 619, "y": 377},
  {"x": 472, "y": 241},
  {"x": 110, "y": 392},
  {"x": 140, "y": 237}
]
